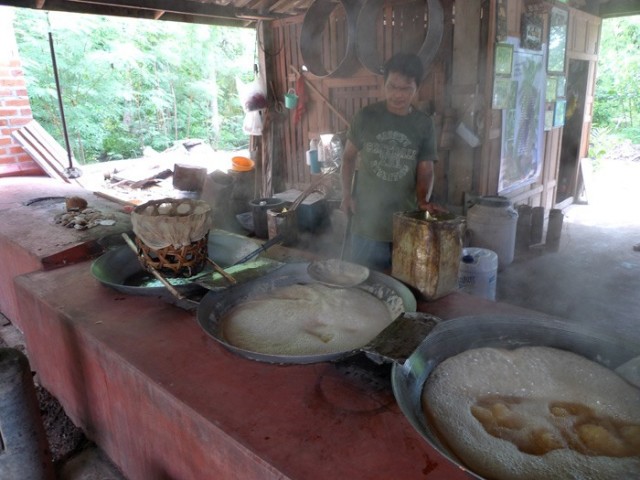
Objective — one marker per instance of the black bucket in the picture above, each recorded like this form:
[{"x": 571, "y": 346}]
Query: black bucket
[{"x": 259, "y": 208}]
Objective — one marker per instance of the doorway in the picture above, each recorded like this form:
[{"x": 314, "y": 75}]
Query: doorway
[{"x": 571, "y": 152}]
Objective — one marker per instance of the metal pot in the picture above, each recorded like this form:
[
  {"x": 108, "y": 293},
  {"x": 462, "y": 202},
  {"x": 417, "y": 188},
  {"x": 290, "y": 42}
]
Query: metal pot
[
  {"x": 457, "y": 335},
  {"x": 215, "y": 305}
]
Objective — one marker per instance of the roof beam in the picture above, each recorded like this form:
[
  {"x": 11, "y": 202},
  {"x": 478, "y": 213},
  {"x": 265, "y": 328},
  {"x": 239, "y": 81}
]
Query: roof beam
[
  {"x": 619, "y": 8},
  {"x": 186, "y": 11},
  {"x": 183, "y": 7}
]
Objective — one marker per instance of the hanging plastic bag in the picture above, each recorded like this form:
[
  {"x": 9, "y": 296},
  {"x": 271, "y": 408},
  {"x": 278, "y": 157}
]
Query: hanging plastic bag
[
  {"x": 252, "y": 95},
  {"x": 252, "y": 124}
]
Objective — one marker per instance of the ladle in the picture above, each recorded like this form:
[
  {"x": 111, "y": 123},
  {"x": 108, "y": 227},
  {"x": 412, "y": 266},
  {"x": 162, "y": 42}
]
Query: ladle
[{"x": 338, "y": 273}]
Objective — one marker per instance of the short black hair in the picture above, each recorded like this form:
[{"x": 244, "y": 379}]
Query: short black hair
[{"x": 407, "y": 64}]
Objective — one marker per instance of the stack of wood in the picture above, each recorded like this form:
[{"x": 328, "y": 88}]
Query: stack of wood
[{"x": 44, "y": 149}]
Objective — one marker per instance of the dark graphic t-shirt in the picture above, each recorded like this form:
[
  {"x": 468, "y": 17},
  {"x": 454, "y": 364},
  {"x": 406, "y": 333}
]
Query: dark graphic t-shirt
[{"x": 390, "y": 148}]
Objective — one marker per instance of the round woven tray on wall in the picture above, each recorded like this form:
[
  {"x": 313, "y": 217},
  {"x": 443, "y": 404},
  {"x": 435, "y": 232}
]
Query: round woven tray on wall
[{"x": 171, "y": 235}]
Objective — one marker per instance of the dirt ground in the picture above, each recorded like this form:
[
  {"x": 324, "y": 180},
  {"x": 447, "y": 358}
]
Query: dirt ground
[{"x": 64, "y": 438}]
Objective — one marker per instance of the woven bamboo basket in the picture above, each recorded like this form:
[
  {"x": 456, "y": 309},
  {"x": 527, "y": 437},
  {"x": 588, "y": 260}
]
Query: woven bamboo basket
[{"x": 172, "y": 235}]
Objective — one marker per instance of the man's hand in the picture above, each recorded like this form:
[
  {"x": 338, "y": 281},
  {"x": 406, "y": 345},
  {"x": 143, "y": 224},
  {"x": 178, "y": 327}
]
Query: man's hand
[{"x": 348, "y": 205}]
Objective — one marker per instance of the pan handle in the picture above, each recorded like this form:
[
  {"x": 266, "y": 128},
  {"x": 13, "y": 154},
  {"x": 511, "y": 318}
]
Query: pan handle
[
  {"x": 400, "y": 339},
  {"x": 262, "y": 248}
]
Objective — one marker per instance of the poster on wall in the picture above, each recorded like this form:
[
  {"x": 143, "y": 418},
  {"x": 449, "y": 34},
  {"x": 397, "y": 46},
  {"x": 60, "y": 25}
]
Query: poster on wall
[
  {"x": 557, "y": 40},
  {"x": 523, "y": 125}
]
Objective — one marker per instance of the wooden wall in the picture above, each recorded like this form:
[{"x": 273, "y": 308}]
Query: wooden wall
[
  {"x": 582, "y": 39},
  {"x": 333, "y": 100},
  {"x": 458, "y": 88}
]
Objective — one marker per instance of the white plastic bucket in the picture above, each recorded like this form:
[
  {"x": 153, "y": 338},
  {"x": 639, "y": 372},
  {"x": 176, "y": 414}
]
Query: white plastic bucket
[
  {"x": 492, "y": 225},
  {"x": 478, "y": 272}
]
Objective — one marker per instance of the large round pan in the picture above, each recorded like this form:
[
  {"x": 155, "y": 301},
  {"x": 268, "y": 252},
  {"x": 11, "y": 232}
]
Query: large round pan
[
  {"x": 119, "y": 267},
  {"x": 215, "y": 305},
  {"x": 457, "y": 335}
]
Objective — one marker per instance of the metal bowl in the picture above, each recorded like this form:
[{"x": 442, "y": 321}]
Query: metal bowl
[{"x": 454, "y": 336}]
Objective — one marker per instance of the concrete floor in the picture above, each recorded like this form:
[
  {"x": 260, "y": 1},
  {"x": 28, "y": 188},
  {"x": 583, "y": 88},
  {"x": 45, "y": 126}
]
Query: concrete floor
[
  {"x": 90, "y": 464},
  {"x": 594, "y": 278}
]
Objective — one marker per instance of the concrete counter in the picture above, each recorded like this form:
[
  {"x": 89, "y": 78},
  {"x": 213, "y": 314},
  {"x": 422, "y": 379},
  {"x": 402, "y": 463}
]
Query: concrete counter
[
  {"x": 164, "y": 400},
  {"x": 31, "y": 240}
]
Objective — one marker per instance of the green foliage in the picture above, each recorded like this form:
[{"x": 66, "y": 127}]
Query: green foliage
[
  {"x": 127, "y": 84},
  {"x": 601, "y": 141},
  {"x": 617, "y": 103},
  {"x": 632, "y": 134},
  {"x": 616, "y": 115}
]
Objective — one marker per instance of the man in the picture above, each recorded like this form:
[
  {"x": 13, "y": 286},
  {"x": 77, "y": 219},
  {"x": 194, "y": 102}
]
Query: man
[{"x": 397, "y": 150}]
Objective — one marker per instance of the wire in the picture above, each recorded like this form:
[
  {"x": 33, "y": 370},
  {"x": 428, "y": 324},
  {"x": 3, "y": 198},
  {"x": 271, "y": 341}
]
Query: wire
[{"x": 261, "y": 45}]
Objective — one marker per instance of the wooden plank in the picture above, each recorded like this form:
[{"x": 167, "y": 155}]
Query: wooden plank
[
  {"x": 414, "y": 26},
  {"x": 593, "y": 36},
  {"x": 335, "y": 50},
  {"x": 121, "y": 201},
  {"x": 387, "y": 33},
  {"x": 301, "y": 140},
  {"x": 323, "y": 96},
  {"x": 487, "y": 168},
  {"x": 526, "y": 195},
  {"x": 579, "y": 35},
  {"x": 286, "y": 34},
  {"x": 349, "y": 82},
  {"x": 59, "y": 154},
  {"x": 35, "y": 140},
  {"x": 586, "y": 170},
  {"x": 553, "y": 147},
  {"x": 39, "y": 154}
]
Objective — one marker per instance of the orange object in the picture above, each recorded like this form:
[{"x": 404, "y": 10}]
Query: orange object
[{"x": 242, "y": 164}]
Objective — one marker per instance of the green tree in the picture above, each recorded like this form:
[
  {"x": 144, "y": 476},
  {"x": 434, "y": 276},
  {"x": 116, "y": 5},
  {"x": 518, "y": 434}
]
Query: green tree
[
  {"x": 617, "y": 103},
  {"x": 127, "y": 84}
]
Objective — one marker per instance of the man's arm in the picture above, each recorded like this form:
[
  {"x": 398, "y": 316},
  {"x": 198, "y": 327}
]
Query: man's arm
[{"x": 348, "y": 168}]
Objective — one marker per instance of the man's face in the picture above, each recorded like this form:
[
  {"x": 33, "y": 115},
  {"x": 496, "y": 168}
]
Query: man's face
[{"x": 399, "y": 91}]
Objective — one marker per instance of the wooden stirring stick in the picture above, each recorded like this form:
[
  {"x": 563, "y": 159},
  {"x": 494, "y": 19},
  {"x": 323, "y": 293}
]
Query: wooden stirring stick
[
  {"x": 153, "y": 271},
  {"x": 221, "y": 271}
]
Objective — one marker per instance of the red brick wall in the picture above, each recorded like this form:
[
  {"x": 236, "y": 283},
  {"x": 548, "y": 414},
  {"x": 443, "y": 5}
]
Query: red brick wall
[{"x": 15, "y": 110}]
